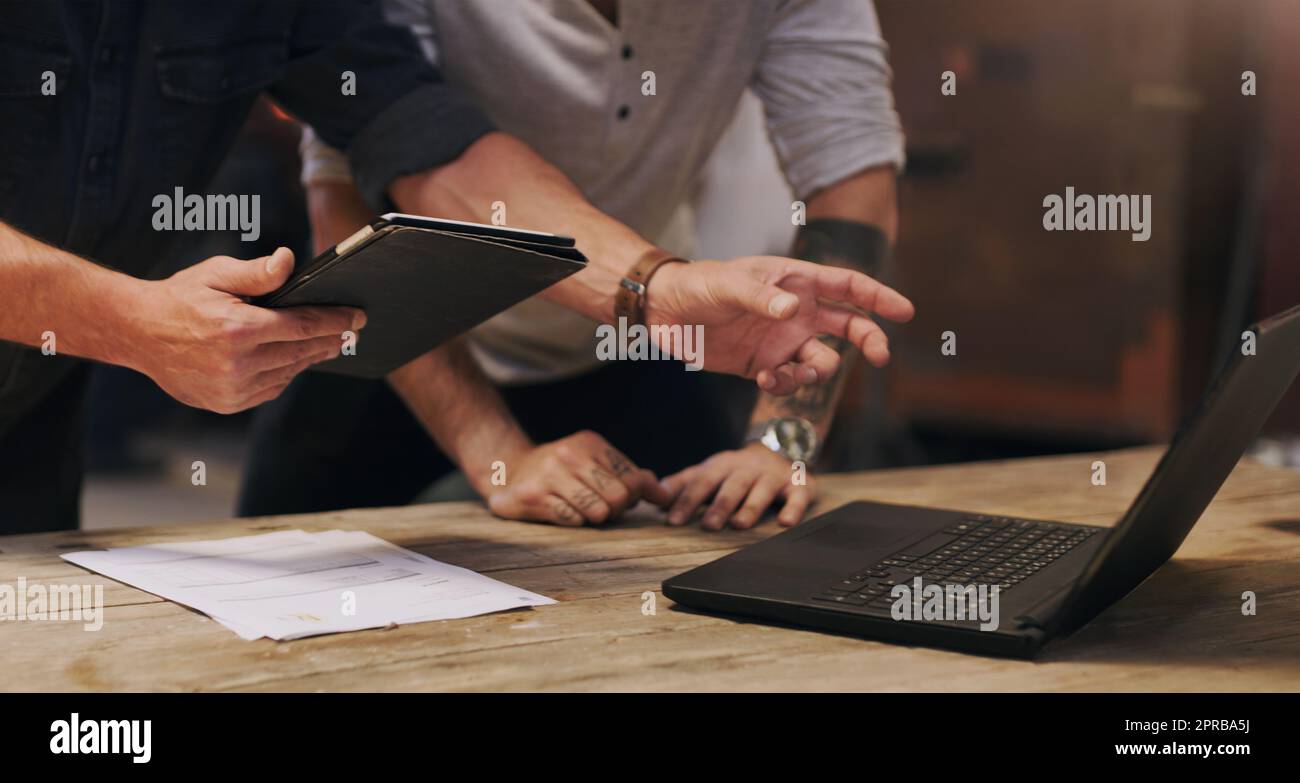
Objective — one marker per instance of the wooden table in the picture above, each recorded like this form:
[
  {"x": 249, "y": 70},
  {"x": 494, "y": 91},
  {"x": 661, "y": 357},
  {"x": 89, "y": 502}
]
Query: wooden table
[{"x": 1181, "y": 630}]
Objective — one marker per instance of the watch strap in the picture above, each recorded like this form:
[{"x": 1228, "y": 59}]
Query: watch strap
[{"x": 629, "y": 299}]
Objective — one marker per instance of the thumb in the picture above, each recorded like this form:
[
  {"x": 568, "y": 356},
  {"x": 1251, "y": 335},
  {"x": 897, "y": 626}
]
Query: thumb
[
  {"x": 249, "y": 278},
  {"x": 763, "y": 299}
]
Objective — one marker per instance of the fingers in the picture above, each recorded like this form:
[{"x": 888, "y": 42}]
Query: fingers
[
  {"x": 254, "y": 277},
  {"x": 607, "y": 472},
  {"x": 761, "y": 495},
  {"x": 264, "y": 325},
  {"x": 557, "y": 510},
  {"x": 740, "y": 496},
  {"x": 858, "y": 290},
  {"x": 797, "y": 500},
  {"x": 729, "y": 496},
  {"x": 789, "y": 377},
  {"x": 531, "y": 500},
  {"x": 275, "y": 355},
  {"x": 820, "y": 362},
  {"x": 778, "y": 382},
  {"x": 281, "y": 376},
  {"x": 585, "y": 500},
  {"x": 265, "y": 395},
  {"x": 858, "y": 329},
  {"x": 655, "y": 491},
  {"x": 696, "y": 486}
]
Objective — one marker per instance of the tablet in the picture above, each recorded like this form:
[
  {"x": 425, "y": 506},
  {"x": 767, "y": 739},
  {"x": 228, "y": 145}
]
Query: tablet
[{"x": 423, "y": 281}]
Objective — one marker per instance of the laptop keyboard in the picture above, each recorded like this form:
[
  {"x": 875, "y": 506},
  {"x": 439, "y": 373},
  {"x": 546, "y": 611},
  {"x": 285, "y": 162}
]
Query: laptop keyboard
[{"x": 972, "y": 551}]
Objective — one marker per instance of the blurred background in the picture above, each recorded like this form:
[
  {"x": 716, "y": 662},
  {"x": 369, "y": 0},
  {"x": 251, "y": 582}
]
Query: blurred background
[{"x": 1066, "y": 341}]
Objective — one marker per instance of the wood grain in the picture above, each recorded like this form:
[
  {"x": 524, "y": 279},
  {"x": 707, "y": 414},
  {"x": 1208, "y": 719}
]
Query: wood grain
[{"x": 1181, "y": 630}]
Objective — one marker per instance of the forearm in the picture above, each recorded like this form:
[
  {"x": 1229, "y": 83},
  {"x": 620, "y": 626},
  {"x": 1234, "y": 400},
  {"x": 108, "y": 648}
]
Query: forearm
[
  {"x": 536, "y": 196},
  {"x": 83, "y": 305},
  {"x": 461, "y": 409},
  {"x": 850, "y": 224},
  {"x": 445, "y": 389}
]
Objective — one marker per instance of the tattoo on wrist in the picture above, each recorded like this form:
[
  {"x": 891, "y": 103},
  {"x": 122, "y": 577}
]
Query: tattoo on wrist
[
  {"x": 842, "y": 243},
  {"x": 814, "y": 402}
]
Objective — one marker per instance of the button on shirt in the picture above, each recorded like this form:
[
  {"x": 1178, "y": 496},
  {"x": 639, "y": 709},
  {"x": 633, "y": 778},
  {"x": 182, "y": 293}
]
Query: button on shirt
[
  {"x": 107, "y": 104},
  {"x": 631, "y": 113}
]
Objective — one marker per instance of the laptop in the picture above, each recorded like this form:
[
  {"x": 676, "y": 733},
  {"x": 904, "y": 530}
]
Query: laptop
[{"x": 901, "y": 573}]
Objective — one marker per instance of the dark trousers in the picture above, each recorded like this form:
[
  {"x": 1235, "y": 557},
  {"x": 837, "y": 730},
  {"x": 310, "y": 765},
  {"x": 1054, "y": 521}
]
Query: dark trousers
[
  {"x": 332, "y": 442},
  {"x": 41, "y": 462}
]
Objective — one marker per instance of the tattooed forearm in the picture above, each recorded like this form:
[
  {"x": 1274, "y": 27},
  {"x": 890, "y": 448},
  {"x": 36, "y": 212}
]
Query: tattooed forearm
[
  {"x": 816, "y": 403},
  {"x": 833, "y": 242},
  {"x": 843, "y": 243}
]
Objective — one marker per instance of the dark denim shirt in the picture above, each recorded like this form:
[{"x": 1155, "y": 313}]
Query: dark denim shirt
[{"x": 149, "y": 96}]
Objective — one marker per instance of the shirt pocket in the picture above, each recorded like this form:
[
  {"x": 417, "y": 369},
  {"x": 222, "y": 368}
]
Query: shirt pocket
[
  {"x": 31, "y": 115},
  {"x": 213, "y": 74}
]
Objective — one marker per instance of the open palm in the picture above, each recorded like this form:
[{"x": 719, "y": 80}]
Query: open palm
[{"x": 762, "y": 316}]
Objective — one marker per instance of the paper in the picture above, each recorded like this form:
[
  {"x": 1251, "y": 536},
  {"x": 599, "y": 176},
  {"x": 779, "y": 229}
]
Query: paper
[{"x": 292, "y": 584}]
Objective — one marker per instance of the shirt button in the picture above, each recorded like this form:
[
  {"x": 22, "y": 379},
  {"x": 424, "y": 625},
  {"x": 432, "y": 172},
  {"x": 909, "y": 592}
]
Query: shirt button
[
  {"x": 107, "y": 55},
  {"x": 623, "y": 111},
  {"x": 92, "y": 165},
  {"x": 627, "y": 52}
]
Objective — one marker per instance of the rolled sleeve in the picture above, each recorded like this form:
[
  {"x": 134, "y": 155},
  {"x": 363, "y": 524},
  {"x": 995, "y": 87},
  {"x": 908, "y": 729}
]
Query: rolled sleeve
[
  {"x": 424, "y": 129},
  {"x": 321, "y": 163},
  {"x": 402, "y": 118},
  {"x": 824, "y": 81}
]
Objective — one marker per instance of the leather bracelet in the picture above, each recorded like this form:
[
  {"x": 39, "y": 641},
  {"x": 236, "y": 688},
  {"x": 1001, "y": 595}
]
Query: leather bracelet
[{"x": 629, "y": 299}]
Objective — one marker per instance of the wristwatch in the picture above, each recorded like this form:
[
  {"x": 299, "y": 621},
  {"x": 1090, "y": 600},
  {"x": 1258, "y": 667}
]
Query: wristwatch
[{"x": 791, "y": 437}]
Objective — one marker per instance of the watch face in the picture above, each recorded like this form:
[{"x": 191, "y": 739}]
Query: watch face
[{"x": 795, "y": 438}]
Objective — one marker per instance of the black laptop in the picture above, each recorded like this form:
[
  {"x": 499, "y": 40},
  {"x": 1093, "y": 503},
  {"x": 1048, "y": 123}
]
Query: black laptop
[{"x": 876, "y": 570}]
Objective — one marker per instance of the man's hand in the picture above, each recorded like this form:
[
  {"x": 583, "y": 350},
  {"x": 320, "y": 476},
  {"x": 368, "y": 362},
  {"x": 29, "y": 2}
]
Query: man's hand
[
  {"x": 575, "y": 480},
  {"x": 742, "y": 483},
  {"x": 762, "y": 316},
  {"x": 204, "y": 345}
]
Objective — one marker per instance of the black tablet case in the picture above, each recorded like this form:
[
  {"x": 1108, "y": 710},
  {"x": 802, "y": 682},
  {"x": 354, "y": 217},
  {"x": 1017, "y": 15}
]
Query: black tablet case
[{"x": 421, "y": 287}]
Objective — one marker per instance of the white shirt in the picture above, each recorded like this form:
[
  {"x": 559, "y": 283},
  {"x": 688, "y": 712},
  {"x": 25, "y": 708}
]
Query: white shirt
[{"x": 631, "y": 114}]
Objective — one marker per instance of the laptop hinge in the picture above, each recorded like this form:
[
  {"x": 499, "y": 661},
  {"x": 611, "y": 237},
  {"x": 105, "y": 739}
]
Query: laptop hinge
[{"x": 1041, "y": 614}]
